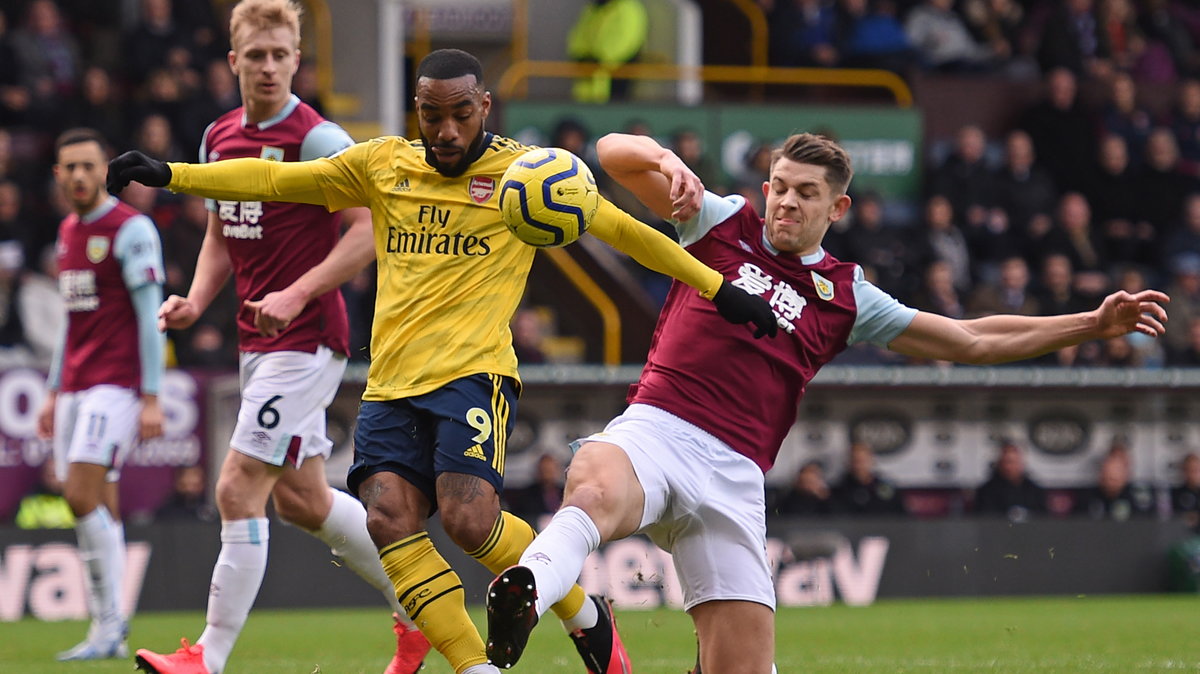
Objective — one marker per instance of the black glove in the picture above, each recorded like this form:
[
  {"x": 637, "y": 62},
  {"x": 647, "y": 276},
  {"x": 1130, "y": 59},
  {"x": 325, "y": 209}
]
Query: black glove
[
  {"x": 135, "y": 166},
  {"x": 738, "y": 306}
]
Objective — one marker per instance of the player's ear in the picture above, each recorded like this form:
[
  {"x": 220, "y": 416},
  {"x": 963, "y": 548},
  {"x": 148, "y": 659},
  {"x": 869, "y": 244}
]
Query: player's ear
[
  {"x": 232, "y": 58},
  {"x": 840, "y": 206},
  {"x": 485, "y": 103}
]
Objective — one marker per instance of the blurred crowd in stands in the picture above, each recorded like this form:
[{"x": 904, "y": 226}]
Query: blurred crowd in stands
[
  {"x": 1084, "y": 194},
  {"x": 149, "y": 75},
  {"x": 1153, "y": 40},
  {"x": 1009, "y": 492}
]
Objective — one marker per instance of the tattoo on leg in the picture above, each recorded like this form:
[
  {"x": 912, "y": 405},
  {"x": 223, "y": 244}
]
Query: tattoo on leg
[
  {"x": 460, "y": 487},
  {"x": 371, "y": 492}
]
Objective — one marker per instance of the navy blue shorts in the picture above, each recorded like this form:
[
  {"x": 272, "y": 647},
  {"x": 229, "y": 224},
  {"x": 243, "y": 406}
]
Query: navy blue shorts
[{"x": 462, "y": 427}]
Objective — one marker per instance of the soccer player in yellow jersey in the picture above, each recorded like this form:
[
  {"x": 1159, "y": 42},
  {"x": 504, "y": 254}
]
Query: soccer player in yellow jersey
[{"x": 443, "y": 382}]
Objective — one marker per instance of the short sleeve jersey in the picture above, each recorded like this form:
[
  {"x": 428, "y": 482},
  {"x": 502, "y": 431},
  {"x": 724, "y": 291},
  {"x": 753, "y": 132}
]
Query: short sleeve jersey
[
  {"x": 102, "y": 256},
  {"x": 450, "y": 272},
  {"x": 742, "y": 390},
  {"x": 272, "y": 244}
]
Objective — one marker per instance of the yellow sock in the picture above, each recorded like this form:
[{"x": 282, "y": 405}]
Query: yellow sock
[
  {"x": 432, "y": 594},
  {"x": 503, "y": 547}
]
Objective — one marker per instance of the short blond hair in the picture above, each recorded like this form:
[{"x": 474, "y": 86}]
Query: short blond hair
[{"x": 264, "y": 15}]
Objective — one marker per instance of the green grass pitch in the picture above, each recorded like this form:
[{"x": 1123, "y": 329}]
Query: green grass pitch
[{"x": 1076, "y": 634}]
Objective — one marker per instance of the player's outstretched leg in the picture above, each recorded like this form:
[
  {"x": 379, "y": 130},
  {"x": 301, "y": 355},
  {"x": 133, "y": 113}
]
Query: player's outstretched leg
[
  {"x": 511, "y": 615},
  {"x": 187, "y": 660},
  {"x": 509, "y": 538},
  {"x": 600, "y": 646}
]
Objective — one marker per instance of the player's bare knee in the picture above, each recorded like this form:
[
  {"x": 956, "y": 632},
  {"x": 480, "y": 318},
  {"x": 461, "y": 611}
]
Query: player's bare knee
[
  {"x": 236, "y": 503},
  {"x": 294, "y": 508},
  {"x": 81, "y": 498},
  {"x": 385, "y": 529},
  {"x": 592, "y": 497},
  {"x": 469, "y": 525}
]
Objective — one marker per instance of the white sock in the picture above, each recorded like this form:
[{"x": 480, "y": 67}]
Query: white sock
[
  {"x": 556, "y": 555},
  {"x": 585, "y": 619},
  {"x": 98, "y": 541},
  {"x": 345, "y": 532},
  {"x": 235, "y": 582},
  {"x": 118, "y": 566},
  {"x": 481, "y": 669}
]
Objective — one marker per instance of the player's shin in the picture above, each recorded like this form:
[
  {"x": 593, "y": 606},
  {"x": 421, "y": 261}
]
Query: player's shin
[
  {"x": 432, "y": 595},
  {"x": 510, "y": 536},
  {"x": 99, "y": 540},
  {"x": 235, "y": 581},
  {"x": 557, "y": 555}
]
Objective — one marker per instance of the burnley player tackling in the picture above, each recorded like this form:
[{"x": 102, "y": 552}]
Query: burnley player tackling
[{"x": 684, "y": 464}]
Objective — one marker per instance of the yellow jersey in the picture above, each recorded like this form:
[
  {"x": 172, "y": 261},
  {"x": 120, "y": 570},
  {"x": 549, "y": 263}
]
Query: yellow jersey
[{"x": 450, "y": 272}]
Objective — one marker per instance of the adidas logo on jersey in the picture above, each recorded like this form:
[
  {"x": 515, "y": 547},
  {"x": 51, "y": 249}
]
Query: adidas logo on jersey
[
  {"x": 402, "y": 186},
  {"x": 475, "y": 452}
]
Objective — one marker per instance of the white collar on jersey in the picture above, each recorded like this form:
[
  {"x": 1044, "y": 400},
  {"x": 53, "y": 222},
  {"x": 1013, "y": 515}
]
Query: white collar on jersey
[
  {"x": 804, "y": 259},
  {"x": 288, "y": 107},
  {"x": 99, "y": 211}
]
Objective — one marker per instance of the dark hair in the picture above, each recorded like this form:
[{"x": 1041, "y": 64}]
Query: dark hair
[
  {"x": 569, "y": 125},
  {"x": 811, "y": 148},
  {"x": 448, "y": 64},
  {"x": 80, "y": 135}
]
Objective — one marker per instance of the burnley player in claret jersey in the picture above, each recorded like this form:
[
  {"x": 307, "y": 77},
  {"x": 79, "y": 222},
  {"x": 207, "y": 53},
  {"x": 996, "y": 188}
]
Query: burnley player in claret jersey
[
  {"x": 105, "y": 373},
  {"x": 289, "y": 376},
  {"x": 685, "y": 462}
]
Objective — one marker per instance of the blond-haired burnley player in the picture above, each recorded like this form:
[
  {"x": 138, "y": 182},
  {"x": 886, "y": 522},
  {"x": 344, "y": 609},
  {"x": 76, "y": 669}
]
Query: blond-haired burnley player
[
  {"x": 442, "y": 386},
  {"x": 288, "y": 378}
]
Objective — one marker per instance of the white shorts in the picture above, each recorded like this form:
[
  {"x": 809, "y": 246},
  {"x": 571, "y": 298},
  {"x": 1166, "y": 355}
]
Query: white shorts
[
  {"x": 704, "y": 505},
  {"x": 284, "y": 396},
  {"x": 98, "y": 426}
]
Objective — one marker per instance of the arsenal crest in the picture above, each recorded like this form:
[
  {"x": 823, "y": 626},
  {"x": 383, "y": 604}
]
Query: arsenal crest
[
  {"x": 481, "y": 189},
  {"x": 97, "y": 248}
]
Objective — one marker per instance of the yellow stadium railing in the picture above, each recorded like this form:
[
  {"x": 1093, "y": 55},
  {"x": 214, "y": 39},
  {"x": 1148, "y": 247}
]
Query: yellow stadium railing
[
  {"x": 518, "y": 73},
  {"x": 610, "y": 316},
  {"x": 758, "y": 30}
]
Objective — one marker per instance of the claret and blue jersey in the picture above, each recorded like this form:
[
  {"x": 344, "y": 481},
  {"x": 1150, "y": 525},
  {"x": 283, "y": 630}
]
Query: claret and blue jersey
[{"x": 822, "y": 305}]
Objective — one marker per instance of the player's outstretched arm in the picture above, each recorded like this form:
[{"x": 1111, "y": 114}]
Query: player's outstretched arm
[
  {"x": 655, "y": 175},
  {"x": 233, "y": 179},
  {"x": 653, "y": 250},
  {"x": 1003, "y": 338},
  {"x": 355, "y": 250}
]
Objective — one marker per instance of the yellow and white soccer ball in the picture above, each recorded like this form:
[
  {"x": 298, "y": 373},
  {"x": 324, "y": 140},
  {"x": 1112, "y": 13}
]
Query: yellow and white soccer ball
[{"x": 548, "y": 197}]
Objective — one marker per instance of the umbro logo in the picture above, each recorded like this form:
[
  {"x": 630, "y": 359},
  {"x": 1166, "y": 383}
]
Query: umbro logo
[
  {"x": 475, "y": 452},
  {"x": 402, "y": 186}
]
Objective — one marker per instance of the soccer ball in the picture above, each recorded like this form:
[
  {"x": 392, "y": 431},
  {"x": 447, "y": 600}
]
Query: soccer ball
[{"x": 548, "y": 197}]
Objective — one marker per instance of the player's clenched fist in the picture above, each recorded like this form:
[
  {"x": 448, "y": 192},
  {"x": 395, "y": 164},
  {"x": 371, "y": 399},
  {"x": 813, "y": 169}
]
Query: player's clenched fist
[
  {"x": 176, "y": 313},
  {"x": 135, "y": 166}
]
